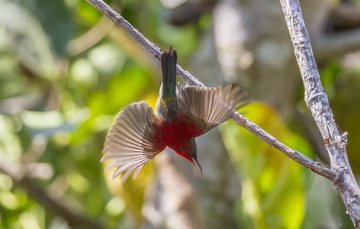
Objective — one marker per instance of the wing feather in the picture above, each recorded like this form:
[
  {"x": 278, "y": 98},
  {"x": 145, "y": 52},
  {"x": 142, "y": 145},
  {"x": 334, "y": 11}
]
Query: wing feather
[
  {"x": 209, "y": 107},
  {"x": 128, "y": 145}
]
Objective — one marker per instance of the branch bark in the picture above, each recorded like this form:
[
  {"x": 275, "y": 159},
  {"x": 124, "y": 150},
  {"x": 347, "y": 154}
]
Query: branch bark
[
  {"x": 317, "y": 102},
  {"x": 340, "y": 173}
]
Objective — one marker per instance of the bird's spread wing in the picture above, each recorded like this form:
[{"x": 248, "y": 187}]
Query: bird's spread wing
[
  {"x": 210, "y": 107},
  {"x": 128, "y": 144}
]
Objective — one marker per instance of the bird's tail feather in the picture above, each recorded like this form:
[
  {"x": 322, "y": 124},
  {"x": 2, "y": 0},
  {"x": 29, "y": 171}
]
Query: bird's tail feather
[{"x": 168, "y": 66}]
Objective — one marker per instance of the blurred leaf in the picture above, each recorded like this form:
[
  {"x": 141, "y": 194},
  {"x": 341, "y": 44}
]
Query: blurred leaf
[
  {"x": 273, "y": 185},
  {"x": 36, "y": 119},
  {"x": 9, "y": 142},
  {"x": 122, "y": 90},
  {"x": 10, "y": 82},
  {"x": 27, "y": 38},
  {"x": 9, "y": 200},
  {"x": 34, "y": 218},
  {"x": 329, "y": 76},
  {"x": 55, "y": 19},
  {"x": 108, "y": 59},
  {"x": 5, "y": 182},
  {"x": 83, "y": 74},
  {"x": 88, "y": 13},
  {"x": 46, "y": 123},
  {"x": 176, "y": 36},
  {"x": 77, "y": 182},
  {"x": 115, "y": 206}
]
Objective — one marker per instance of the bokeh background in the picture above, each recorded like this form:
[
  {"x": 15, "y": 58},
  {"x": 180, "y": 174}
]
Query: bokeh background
[{"x": 65, "y": 71}]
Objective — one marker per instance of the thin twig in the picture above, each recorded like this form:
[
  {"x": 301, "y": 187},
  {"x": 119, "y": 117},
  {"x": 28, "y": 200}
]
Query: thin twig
[
  {"x": 316, "y": 100},
  {"x": 191, "y": 80}
]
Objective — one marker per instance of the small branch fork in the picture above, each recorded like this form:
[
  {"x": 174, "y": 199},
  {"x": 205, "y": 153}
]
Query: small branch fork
[
  {"x": 316, "y": 100},
  {"x": 335, "y": 141}
]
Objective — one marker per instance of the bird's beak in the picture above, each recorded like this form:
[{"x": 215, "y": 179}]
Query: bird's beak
[{"x": 194, "y": 160}]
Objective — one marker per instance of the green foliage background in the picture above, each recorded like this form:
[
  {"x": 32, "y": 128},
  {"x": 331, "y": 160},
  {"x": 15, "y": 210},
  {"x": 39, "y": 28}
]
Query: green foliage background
[{"x": 65, "y": 72}]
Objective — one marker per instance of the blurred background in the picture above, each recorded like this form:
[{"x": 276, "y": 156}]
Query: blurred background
[{"x": 65, "y": 71}]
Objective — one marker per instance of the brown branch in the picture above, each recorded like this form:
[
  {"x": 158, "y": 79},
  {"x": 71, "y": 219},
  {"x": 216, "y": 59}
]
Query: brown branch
[
  {"x": 36, "y": 193},
  {"x": 191, "y": 80},
  {"x": 316, "y": 100}
]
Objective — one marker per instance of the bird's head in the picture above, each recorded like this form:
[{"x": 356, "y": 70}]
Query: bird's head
[{"x": 189, "y": 151}]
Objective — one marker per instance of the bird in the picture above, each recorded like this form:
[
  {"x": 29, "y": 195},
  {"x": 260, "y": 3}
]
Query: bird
[{"x": 181, "y": 114}]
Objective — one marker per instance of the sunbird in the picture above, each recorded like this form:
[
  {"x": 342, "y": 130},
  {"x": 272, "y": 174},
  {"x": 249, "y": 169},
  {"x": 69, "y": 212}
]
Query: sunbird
[{"x": 138, "y": 134}]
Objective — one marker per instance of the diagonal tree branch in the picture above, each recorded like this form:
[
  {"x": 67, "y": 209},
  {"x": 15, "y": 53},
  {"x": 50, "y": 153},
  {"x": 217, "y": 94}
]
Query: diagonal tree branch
[
  {"x": 316, "y": 100},
  {"x": 155, "y": 51}
]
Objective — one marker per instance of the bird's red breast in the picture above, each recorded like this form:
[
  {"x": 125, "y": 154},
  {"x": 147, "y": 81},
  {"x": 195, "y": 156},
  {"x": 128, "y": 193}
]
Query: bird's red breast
[{"x": 174, "y": 132}]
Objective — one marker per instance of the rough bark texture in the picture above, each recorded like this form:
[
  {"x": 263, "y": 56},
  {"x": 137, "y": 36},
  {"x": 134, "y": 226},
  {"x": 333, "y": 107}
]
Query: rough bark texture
[{"x": 316, "y": 100}]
